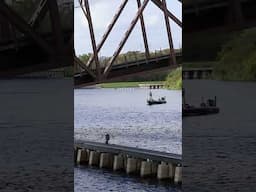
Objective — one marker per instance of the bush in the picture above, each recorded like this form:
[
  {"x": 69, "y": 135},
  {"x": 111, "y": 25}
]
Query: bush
[
  {"x": 237, "y": 60},
  {"x": 174, "y": 79}
]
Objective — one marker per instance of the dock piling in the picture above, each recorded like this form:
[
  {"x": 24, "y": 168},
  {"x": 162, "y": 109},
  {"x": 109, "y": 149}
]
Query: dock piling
[
  {"x": 143, "y": 162},
  {"x": 94, "y": 158}
]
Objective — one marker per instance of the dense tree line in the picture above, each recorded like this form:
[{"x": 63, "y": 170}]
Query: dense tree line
[{"x": 126, "y": 57}]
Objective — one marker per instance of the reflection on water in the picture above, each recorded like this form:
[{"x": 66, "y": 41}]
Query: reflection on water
[{"x": 125, "y": 115}]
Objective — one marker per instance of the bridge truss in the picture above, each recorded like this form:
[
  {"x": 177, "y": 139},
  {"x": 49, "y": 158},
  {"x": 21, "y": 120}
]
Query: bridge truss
[
  {"x": 23, "y": 47},
  {"x": 101, "y": 73}
]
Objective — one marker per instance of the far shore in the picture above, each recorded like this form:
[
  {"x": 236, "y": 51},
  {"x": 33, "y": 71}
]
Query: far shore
[{"x": 127, "y": 84}]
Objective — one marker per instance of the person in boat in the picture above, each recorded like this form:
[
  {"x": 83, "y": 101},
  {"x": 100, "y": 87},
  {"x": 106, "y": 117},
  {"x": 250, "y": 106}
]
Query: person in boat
[{"x": 150, "y": 96}]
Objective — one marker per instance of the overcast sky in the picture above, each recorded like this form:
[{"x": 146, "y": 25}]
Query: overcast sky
[{"x": 102, "y": 12}]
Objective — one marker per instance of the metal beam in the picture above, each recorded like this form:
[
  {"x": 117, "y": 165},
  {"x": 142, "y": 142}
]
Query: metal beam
[
  {"x": 168, "y": 29},
  {"x": 144, "y": 34},
  {"x": 56, "y": 26},
  {"x": 81, "y": 64},
  {"x": 236, "y": 15},
  {"x": 109, "y": 29},
  {"x": 159, "y": 4},
  {"x": 38, "y": 14},
  {"x": 87, "y": 8},
  {"x": 21, "y": 25},
  {"x": 123, "y": 41},
  {"x": 82, "y": 7}
]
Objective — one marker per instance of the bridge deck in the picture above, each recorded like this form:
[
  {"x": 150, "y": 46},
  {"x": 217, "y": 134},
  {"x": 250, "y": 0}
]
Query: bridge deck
[
  {"x": 130, "y": 68},
  {"x": 132, "y": 151}
]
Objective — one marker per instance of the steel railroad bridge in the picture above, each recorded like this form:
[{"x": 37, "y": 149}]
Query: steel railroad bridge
[
  {"x": 37, "y": 39},
  {"x": 210, "y": 24},
  {"x": 94, "y": 72},
  {"x": 220, "y": 15}
]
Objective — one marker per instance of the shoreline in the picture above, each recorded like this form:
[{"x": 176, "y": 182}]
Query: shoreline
[{"x": 129, "y": 84}]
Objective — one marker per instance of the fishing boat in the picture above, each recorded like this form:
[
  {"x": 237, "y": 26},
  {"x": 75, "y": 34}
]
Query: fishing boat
[
  {"x": 196, "y": 111},
  {"x": 154, "y": 102},
  {"x": 204, "y": 109}
]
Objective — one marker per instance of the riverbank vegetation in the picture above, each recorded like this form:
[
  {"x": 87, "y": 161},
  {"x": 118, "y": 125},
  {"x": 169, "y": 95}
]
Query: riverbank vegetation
[
  {"x": 237, "y": 60},
  {"x": 126, "y": 57},
  {"x": 174, "y": 79}
]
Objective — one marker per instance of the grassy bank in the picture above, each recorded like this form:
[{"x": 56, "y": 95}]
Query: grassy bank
[
  {"x": 127, "y": 84},
  {"x": 237, "y": 60},
  {"x": 174, "y": 79}
]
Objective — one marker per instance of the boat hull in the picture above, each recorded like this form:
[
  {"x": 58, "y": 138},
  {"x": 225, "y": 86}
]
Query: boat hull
[
  {"x": 156, "y": 102},
  {"x": 196, "y": 111}
]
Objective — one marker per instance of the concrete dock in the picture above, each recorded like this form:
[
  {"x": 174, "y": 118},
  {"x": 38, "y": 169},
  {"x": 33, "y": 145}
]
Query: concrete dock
[
  {"x": 152, "y": 86},
  {"x": 146, "y": 163}
]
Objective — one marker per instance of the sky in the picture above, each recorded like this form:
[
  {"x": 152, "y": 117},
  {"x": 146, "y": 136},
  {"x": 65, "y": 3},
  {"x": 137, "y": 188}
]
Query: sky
[{"x": 102, "y": 12}]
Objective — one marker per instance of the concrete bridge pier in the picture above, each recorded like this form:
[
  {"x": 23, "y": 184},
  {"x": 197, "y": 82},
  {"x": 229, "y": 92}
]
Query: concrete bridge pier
[
  {"x": 82, "y": 156},
  {"x": 146, "y": 168},
  {"x": 106, "y": 160},
  {"x": 197, "y": 73},
  {"x": 171, "y": 171},
  {"x": 178, "y": 174},
  {"x": 131, "y": 166},
  {"x": 94, "y": 158},
  {"x": 146, "y": 163},
  {"x": 119, "y": 163},
  {"x": 195, "y": 76},
  {"x": 163, "y": 171}
]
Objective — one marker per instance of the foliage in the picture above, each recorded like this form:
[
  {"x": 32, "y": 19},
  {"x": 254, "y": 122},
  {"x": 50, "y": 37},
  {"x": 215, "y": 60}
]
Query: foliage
[
  {"x": 174, "y": 79},
  {"x": 237, "y": 60},
  {"x": 126, "y": 57}
]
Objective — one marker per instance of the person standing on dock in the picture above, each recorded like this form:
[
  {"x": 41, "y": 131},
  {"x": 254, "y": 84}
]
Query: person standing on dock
[{"x": 107, "y": 137}]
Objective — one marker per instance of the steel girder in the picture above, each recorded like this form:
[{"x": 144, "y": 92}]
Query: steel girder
[
  {"x": 161, "y": 4},
  {"x": 59, "y": 54}
]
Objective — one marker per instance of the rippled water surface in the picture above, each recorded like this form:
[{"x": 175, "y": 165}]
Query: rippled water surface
[
  {"x": 219, "y": 150},
  {"x": 125, "y": 115},
  {"x": 36, "y": 135}
]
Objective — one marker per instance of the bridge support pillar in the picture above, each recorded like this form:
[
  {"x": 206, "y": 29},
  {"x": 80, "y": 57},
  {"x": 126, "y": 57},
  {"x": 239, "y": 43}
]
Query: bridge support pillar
[
  {"x": 138, "y": 165},
  {"x": 106, "y": 160},
  {"x": 131, "y": 165},
  {"x": 82, "y": 156},
  {"x": 94, "y": 158},
  {"x": 146, "y": 168},
  {"x": 195, "y": 75},
  {"x": 75, "y": 154},
  {"x": 171, "y": 171},
  {"x": 178, "y": 174},
  {"x": 162, "y": 171},
  {"x": 154, "y": 168},
  {"x": 118, "y": 163}
]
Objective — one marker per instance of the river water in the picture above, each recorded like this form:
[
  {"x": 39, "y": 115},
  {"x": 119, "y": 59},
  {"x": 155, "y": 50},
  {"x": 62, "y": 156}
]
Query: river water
[
  {"x": 36, "y": 135},
  {"x": 219, "y": 150},
  {"x": 124, "y": 114}
]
